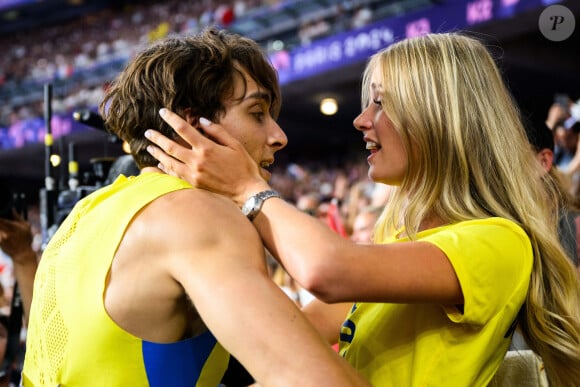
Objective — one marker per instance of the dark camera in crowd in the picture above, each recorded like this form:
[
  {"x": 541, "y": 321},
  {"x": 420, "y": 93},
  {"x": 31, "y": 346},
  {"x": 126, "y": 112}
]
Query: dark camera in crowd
[{"x": 10, "y": 201}]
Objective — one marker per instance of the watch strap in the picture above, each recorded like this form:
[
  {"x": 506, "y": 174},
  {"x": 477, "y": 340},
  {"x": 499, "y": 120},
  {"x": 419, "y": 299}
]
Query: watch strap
[{"x": 254, "y": 203}]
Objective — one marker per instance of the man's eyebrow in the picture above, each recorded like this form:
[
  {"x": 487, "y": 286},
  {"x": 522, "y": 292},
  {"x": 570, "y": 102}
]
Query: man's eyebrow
[{"x": 259, "y": 95}]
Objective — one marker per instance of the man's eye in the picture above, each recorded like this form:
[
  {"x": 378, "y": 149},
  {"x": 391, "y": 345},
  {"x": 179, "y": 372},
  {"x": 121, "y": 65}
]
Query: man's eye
[{"x": 259, "y": 115}]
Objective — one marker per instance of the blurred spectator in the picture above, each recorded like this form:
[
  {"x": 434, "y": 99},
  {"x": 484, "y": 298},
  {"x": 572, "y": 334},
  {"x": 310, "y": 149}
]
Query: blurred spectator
[
  {"x": 312, "y": 30},
  {"x": 363, "y": 15},
  {"x": 224, "y": 15},
  {"x": 364, "y": 224},
  {"x": 542, "y": 141},
  {"x": 308, "y": 203},
  {"x": 566, "y": 144},
  {"x": 297, "y": 293},
  {"x": 334, "y": 218},
  {"x": 556, "y": 112},
  {"x": 16, "y": 245}
]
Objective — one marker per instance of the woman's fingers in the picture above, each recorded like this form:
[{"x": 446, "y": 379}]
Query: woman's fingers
[
  {"x": 181, "y": 127},
  {"x": 163, "y": 144},
  {"x": 172, "y": 156},
  {"x": 216, "y": 161},
  {"x": 166, "y": 163},
  {"x": 217, "y": 133}
]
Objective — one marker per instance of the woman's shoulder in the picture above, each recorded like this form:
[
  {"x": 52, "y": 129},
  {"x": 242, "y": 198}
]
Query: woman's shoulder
[
  {"x": 494, "y": 233},
  {"x": 484, "y": 225}
]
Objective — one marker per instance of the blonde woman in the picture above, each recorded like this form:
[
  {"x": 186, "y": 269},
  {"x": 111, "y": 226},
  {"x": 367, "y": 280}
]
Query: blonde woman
[{"x": 466, "y": 247}]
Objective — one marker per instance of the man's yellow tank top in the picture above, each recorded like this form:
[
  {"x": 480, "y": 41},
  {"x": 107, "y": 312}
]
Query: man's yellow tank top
[{"x": 71, "y": 339}]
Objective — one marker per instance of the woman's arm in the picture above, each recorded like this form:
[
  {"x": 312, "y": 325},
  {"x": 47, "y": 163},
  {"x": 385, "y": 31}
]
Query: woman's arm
[{"x": 333, "y": 268}]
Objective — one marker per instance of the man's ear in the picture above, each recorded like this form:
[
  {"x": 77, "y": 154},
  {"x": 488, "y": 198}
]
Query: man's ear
[
  {"x": 546, "y": 159},
  {"x": 190, "y": 118}
]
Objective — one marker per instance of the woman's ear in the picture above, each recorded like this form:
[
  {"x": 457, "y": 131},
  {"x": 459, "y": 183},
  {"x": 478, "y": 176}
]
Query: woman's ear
[{"x": 546, "y": 159}]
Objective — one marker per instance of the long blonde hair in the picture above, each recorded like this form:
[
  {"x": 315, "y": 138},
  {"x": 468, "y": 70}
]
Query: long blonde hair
[{"x": 469, "y": 158}]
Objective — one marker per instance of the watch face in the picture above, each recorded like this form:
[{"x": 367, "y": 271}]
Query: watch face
[
  {"x": 249, "y": 205},
  {"x": 254, "y": 203}
]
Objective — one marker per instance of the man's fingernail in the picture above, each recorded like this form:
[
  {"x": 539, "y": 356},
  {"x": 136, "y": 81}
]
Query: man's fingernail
[
  {"x": 148, "y": 133},
  {"x": 204, "y": 121},
  {"x": 162, "y": 112}
]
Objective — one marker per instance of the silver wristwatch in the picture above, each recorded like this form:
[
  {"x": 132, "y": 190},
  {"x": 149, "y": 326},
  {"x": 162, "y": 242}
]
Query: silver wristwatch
[{"x": 253, "y": 205}]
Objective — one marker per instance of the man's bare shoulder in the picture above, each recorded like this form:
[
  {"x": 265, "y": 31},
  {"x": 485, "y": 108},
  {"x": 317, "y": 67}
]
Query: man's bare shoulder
[
  {"x": 198, "y": 231},
  {"x": 195, "y": 211}
]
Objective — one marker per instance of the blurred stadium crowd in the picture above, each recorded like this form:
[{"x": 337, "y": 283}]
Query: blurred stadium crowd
[{"x": 81, "y": 55}]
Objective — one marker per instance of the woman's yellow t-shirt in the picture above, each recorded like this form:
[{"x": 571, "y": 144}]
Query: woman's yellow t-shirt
[{"x": 436, "y": 345}]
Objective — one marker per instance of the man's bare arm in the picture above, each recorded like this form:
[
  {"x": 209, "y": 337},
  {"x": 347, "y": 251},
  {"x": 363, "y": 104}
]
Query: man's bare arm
[{"x": 223, "y": 271}]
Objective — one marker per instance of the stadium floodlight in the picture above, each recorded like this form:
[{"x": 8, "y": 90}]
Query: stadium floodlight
[{"x": 328, "y": 106}]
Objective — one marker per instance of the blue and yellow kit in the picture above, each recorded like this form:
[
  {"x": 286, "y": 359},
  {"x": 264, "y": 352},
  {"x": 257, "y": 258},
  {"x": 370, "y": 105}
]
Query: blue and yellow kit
[{"x": 71, "y": 339}]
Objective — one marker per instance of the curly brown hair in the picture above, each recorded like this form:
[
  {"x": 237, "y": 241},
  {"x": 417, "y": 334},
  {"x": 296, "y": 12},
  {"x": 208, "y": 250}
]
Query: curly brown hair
[{"x": 196, "y": 73}]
